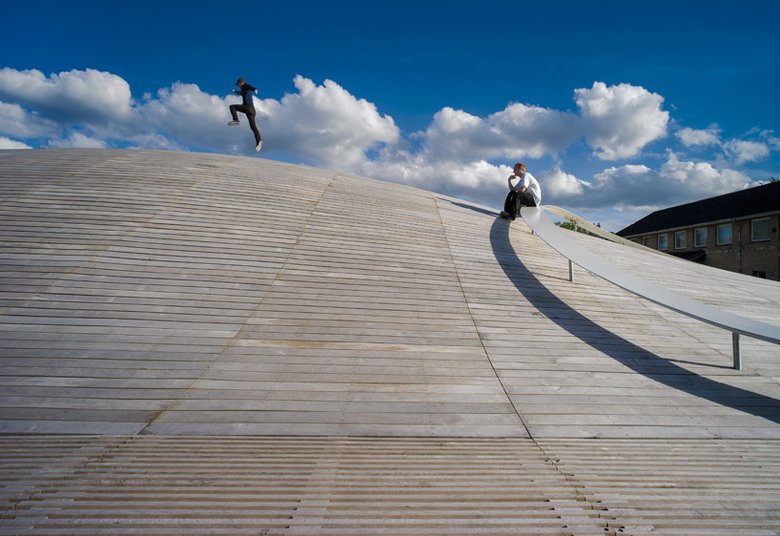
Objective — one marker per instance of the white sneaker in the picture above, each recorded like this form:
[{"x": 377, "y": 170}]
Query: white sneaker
[
  {"x": 259, "y": 145},
  {"x": 233, "y": 123}
]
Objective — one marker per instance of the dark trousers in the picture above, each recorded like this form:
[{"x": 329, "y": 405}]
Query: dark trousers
[
  {"x": 250, "y": 115},
  {"x": 514, "y": 200}
]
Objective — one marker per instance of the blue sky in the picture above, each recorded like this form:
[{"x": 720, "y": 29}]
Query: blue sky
[{"x": 618, "y": 108}]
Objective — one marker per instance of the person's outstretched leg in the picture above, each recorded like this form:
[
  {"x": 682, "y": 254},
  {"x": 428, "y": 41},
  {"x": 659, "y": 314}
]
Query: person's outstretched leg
[{"x": 253, "y": 125}]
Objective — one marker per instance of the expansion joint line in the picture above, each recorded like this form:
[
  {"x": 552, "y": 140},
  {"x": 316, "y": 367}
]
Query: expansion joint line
[
  {"x": 570, "y": 480},
  {"x": 610, "y": 526},
  {"x": 485, "y": 350},
  {"x": 235, "y": 337}
]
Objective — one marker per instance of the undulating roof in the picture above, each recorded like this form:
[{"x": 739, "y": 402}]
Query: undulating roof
[{"x": 195, "y": 343}]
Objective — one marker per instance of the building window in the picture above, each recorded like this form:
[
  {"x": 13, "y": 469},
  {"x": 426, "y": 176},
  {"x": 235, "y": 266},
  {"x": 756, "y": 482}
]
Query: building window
[
  {"x": 759, "y": 230},
  {"x": 647, "y": 241},
  {"x": 724, "y": 234},
  {"x": 663, "y": 242},
  {"x": 759, "y": 273},
  {"x": 700, "y": 237},
  {"x": 680, "y": 239}
]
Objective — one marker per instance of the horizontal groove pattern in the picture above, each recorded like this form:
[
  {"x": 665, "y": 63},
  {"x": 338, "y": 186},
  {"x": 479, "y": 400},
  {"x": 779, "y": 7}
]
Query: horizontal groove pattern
[
  {"x": 692, "y": 487},
  {"x": 159, "y": 485},
  {"x": 245, "y": 485}
]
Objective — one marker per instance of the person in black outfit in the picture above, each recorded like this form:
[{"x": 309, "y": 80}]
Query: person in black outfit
[{"x": 247, "y": 107}]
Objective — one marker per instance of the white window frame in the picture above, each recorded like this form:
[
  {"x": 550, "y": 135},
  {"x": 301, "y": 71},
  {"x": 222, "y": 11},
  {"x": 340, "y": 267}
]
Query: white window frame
[
  {"x": 768, "y": 229},
  {"x": 696, "y": 242},
  {"x": 665, "y": 242},
  {"x": 717, "y": 234},
  {"x": 684, "y": 235}
]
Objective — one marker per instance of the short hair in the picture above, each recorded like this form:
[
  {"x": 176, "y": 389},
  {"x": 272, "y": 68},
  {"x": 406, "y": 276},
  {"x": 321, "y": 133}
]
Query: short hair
[
  {"x": 518, "y": 164},
  {"x": 240, "y": 81}
]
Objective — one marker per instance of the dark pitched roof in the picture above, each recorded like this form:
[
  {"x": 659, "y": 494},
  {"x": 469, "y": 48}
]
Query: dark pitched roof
[{"x": 740, "y": 204}]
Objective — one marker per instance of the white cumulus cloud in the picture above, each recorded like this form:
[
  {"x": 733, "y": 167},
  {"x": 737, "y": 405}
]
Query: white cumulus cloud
[
  {"x": 15, "y": 121},
  {"x": 87, "y": 96},
  {"x": 741, "y": 151},
  {"x": 7, "y": 143},
  {"x": 320, "y": 124},
  {"x": 325, "y": 124},
  {"x": 560, "y": 185},
  {"x": 634, "y": 186},
  {"x": 478, "y": 180},
  {"x": 620, "y": 120},
  {"x": 517, "y": 131},
  {"x": 690, "y": 137},
  {"x": 78, "y": 140},
  {"x": 184, "y": 115},
  {"x": 697, "y": 180}
]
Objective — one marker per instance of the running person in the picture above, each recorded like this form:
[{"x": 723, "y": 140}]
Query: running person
[{"x": 247, "y": 107}]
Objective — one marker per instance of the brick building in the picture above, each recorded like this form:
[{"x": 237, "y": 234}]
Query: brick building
[{"x": 736, "y": 232}]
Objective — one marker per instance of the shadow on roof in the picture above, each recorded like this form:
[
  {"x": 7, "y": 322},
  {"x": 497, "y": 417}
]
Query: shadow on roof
[
  {"x": 475, "y": 209},
  {"x": 625, "y": 352}
]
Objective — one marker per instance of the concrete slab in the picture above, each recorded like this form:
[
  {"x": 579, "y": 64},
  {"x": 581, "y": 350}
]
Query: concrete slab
[{"x": 157, "y": 302}]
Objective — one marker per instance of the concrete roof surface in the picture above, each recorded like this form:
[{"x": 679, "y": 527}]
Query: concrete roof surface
[{"x": 399, "y": 361}]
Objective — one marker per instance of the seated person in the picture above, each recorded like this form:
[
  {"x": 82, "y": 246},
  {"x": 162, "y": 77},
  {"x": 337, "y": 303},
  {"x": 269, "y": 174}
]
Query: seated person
[{"x": 526, "y": 192}]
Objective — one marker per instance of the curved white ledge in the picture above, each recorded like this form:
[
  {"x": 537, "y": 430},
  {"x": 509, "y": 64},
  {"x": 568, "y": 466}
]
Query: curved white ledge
[{"x": 556, "y": 238}]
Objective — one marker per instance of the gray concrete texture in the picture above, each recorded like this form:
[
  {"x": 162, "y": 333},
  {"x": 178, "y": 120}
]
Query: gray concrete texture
[
  {"x": 203, "y": 344},
  {"x": 169, "y": 293}
]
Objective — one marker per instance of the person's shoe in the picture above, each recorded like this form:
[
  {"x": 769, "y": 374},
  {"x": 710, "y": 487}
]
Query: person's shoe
[
  {"x": 233, "y": 123},
  {"x": 259, "y": 145}
]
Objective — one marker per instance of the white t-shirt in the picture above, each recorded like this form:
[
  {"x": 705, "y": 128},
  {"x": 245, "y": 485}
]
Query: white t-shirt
[{"x": 532, "y": 185}]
